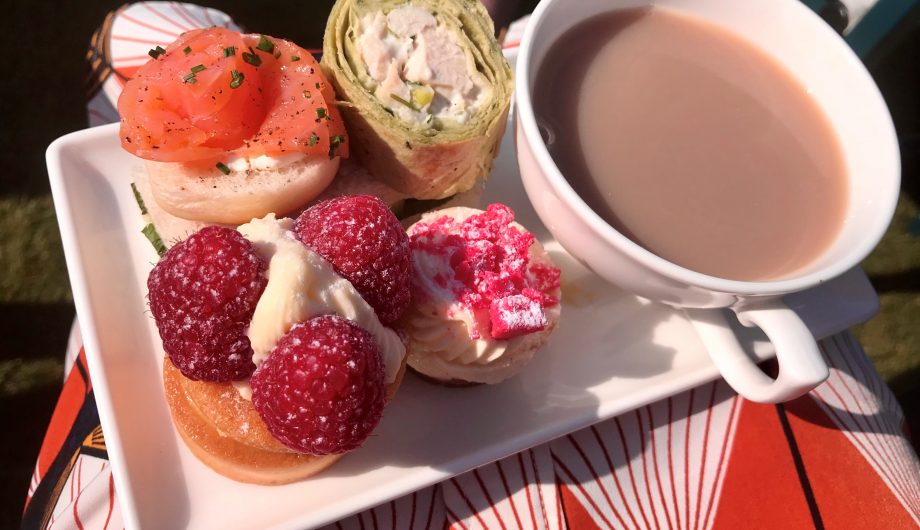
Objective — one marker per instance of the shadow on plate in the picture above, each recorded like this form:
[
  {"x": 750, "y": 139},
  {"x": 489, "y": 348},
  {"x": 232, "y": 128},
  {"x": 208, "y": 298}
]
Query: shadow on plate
[
  {"x": 602, "y": 336},
  {"x": 151, "y": 457}
]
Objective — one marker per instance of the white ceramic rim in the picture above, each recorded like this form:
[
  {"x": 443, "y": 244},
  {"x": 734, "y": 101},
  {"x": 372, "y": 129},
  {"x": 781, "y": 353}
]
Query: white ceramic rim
[{"x": 525, "y": 117}]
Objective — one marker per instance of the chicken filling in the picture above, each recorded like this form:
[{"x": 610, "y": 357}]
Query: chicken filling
[{"x": 421, "y": 73}]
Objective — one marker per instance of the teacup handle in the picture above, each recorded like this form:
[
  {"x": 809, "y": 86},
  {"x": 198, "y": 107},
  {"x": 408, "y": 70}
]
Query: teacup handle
[{"x": 801, "y": 367}]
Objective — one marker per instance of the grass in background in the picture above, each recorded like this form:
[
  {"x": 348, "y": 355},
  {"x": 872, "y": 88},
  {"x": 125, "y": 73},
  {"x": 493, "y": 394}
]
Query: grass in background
[
  {"x": 36, "y": 309},
  {"x": 34, "y": 276},
  {"x": 31, "y": 256},
  {"x": 892, "y": 338}
]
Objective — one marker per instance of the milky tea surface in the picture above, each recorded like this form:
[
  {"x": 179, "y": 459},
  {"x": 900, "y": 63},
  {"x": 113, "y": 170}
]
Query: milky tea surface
[{"x": 693, "y": 143}]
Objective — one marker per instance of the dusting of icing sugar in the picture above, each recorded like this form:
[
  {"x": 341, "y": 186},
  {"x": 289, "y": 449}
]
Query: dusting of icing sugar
[
  {"x": 483, "y": 263},
  {"x": 515, "y": 315}
]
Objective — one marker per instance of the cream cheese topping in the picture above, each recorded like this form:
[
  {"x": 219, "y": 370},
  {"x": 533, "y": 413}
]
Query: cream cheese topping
[
  {"x": 302, "y": 285},
  {"x": 263, "y": 162},
  {"x": 421, "y": 73}
]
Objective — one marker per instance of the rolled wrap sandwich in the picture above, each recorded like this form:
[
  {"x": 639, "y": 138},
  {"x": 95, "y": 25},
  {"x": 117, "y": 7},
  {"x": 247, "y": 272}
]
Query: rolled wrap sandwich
[{"x": 424, "y": 90}]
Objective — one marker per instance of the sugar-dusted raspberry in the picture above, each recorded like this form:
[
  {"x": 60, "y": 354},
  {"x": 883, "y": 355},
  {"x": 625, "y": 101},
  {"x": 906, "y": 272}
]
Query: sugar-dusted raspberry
[
  {"x": 365, "y": 243},
  {"x": 321, "y": 389},
  {"x": 202, "y": 295},
  {"x": 515, "y": 315}
]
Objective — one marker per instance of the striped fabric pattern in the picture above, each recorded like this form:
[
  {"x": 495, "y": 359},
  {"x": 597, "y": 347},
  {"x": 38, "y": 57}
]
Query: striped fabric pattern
[
  {"x": 90, "y": 503},
  {"x": 865, "y": 411},
  {"x": 119, "y": 47},
  {"x": 517, "y": 492},
  {"x": 417, "y": 511},
  {"x": 658, "y": 466}
]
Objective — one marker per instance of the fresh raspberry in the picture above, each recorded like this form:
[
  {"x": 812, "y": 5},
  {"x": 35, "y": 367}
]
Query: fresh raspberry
[
  {"x": 202, "y": 295},
  {"x": 321, "y": 389},
  {"x": 365, "y": 243}
]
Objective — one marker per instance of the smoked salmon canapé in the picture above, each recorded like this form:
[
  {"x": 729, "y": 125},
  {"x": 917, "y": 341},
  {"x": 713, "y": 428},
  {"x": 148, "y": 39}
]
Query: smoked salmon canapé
[{"x": 232, "y": 126}]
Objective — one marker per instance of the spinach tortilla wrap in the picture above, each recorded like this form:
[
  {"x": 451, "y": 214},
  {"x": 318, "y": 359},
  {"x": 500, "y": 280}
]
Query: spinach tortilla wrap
[{"x": 424, "y": 90}]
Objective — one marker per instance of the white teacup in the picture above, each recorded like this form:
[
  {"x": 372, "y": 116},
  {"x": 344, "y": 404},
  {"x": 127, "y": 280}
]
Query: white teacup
[{"x": 810, "y": 50}]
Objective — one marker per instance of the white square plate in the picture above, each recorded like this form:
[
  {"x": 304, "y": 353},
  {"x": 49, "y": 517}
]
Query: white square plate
[{"x": 612, "y": 352}]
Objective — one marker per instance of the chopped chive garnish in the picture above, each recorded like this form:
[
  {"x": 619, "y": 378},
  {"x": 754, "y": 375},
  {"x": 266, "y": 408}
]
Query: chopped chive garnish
[
  {"x": 140, "y": 200},
  {"x": 156, "y": 52},
  {"x": 317, "y": 85},
  {"x": 237, "y": 78},
  {"x": 313, "y": 139},
  {"x": 334, "y": 144},
  {"x": 278, "y": 54},
  {"x": 294, "y": 58},
  {"x": 229, "y": 50},
  {"x": 190, "y": 79},
  {"x": 197, "y": 68},
  {"x": 187, "y": 50},
  {"x": 320, "y": 113},
  {"x": 402, "y": 101},
  {"x": 153, "y": 236},
  {"x": 252, "y": 58},
  {"x": 223, "y": 168},
  {"x": 265, "y": 45},
  {"x": 149, "y": 231},
  {"x": 307, "y": 94}
]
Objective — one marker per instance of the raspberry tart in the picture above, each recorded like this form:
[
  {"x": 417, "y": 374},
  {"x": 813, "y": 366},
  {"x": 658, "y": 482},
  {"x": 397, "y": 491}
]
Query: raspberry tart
[
  {"x": 485, "y": 296},
  {"x": 279, "y": 358}
]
